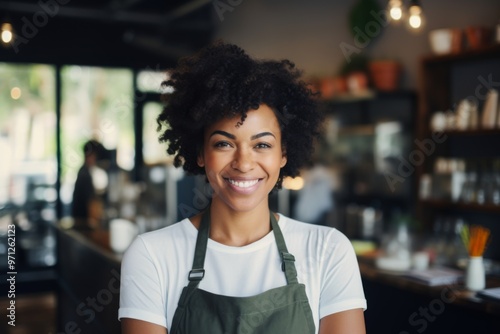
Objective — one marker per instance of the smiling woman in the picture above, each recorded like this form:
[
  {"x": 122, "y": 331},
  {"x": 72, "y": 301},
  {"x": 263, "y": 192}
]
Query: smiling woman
[{"x": 245, "y": 124}]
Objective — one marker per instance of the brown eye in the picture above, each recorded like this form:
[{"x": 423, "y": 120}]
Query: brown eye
[
  {"x": 263, "y": 145},
  {"x": 222, "y": 144}
]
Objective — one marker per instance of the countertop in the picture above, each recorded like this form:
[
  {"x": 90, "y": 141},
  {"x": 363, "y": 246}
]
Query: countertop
[{"x": 456, "y": 293}]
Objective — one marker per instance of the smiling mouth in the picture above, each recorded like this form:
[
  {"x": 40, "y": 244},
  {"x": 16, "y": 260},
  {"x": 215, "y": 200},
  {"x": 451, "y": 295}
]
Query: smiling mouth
[{"x": 243, "y": 184}]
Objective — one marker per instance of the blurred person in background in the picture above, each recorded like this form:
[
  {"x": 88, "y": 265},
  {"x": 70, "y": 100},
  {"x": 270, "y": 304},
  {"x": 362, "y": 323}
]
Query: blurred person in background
[{"x": 87, "y": 208}]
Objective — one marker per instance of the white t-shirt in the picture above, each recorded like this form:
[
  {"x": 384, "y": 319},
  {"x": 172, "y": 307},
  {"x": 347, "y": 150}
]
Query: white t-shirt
[{"x": 156, "y": 265}]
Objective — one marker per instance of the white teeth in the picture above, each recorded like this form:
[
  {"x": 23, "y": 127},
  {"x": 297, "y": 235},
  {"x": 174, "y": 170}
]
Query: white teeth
[{"x": 243, "y": 184}]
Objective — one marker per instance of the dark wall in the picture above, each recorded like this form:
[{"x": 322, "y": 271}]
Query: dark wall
[{"x": 87, "y": 41}]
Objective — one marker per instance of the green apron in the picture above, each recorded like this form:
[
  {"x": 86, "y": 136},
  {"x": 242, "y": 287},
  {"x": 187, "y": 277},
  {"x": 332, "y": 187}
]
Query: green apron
[{"x": 280, "y": 310}]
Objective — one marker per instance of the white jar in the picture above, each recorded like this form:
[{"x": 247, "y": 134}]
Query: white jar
[{"x": 475, "y": 279}]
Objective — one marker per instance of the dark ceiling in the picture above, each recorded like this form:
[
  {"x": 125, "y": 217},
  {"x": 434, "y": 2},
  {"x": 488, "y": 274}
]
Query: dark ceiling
[{"x": 133, "y": 33}]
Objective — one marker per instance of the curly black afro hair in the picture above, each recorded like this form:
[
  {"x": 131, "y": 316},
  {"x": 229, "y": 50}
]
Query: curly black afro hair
[{"x": 223, "y": 81}]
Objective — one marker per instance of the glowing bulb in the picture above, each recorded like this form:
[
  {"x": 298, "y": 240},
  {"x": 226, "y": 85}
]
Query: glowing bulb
[
  {"x": 396, "y": 13},
  {"x": 395, "y": 9},
  {"x": 6, "y": 33},
  {"x": 6, "y": 36},
  {"x": 15, "y": 93},
  {"x": 416, "y": 19}
]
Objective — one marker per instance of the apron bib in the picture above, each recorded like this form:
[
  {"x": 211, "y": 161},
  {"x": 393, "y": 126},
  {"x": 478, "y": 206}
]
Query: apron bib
[{"x": 280, "y": 310}]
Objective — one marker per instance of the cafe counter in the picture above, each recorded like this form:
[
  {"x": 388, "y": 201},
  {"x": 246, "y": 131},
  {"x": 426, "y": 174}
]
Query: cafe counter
[
  {"x": 88, "y": 282},
  {"x": 89, "y": 273},
  {"x": 400, "y": 304}
]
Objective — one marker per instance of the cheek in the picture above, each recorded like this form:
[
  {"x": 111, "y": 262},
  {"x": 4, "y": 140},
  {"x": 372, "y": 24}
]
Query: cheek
[
  {"x": 213, "y": 165},
  {"x": 274, "y": 164}
]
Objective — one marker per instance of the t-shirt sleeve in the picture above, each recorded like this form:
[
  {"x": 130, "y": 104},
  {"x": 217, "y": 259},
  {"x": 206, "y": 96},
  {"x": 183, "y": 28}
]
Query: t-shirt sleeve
[
  {"x": 140, "y": 286},
  {"x": 341, "y": 287}
]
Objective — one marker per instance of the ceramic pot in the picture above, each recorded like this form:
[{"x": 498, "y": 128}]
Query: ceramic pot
[
  {"x": 385, "y": 74},
  {"x": 445, "y": 41},
  {"x": 478, "y": 37},
  {"x": 331, "y": 86}
]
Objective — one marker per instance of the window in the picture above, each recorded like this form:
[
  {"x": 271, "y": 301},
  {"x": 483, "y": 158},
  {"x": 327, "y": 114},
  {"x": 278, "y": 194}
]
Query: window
[
  {"x": 28, "y": 171},
  {"x": 154, "y": 152},
  {"x": 28, "y": 167},
  {"x": 97, "y": 103}
]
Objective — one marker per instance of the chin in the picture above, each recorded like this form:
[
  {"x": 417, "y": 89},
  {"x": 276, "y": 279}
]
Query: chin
[{"x": 245, "y": 204}]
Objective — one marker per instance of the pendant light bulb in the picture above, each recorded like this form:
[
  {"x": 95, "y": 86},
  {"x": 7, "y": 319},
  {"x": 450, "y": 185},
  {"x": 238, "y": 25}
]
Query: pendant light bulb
[
  {"x": 395, "y": 10},
  {"x": 416, "y": 16},
  {"x": 6, "y": 33}
]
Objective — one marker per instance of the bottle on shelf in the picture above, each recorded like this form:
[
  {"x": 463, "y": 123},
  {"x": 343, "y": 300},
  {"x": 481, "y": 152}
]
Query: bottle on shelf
[
  {"x": 495, "y": 194},
  {"x": 446, "y": 246}
]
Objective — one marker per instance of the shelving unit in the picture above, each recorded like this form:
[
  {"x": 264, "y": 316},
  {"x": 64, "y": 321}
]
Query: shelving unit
[
  {"x": 443, "y": 82},
  {"x": 354, "y": 155}
]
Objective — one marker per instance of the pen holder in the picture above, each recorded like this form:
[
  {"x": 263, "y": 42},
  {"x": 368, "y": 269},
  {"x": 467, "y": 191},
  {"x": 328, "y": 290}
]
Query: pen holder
[{"x": 475, "y": 275}]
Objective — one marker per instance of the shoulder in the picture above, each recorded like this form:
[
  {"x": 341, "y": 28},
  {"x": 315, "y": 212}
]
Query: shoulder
[
  {"x": 316, "y": 241},
  {"x": 296, "y": 228},
  {"x": 180, "y": 227},
  {"x": 177, "y": 232},
  {"x": 165, "y": 240},
  {"x": 83, "y": 172}
]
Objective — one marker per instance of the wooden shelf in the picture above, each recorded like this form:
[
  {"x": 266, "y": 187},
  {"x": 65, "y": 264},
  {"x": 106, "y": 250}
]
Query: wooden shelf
[
  {"x": 445, "y": 204},
  {"x": 476, "y": 132},
  {"x": 357, "y": 130},
  {"x": 473, "y": 54},
  {"x": 466, "y": 133},
  {"x": 368, "y": 95},
  {"x": 349, "y": 97}
]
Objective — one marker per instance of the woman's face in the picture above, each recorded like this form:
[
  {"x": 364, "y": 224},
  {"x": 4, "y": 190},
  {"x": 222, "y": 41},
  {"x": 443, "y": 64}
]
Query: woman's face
[{"x": 242, "y": 163}]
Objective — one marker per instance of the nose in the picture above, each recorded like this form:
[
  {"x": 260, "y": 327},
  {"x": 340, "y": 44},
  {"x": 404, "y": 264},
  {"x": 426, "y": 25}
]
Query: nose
[{"x": 243, "y": 160}]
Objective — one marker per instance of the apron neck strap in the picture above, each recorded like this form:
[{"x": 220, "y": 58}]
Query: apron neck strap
[
  {"x": 198, "y": 272},
  {"x": 287, "y": 259}
]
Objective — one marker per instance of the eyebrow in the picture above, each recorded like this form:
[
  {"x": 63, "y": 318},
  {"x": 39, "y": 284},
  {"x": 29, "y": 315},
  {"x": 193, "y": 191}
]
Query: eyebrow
[{"x": 231, "y": 136}]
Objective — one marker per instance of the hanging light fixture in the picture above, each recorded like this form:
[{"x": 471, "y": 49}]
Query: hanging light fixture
[
  {"x": 395, "y": 10},
  {"x": 6, "y": 34},
  {"x": 416, "y": 19}
]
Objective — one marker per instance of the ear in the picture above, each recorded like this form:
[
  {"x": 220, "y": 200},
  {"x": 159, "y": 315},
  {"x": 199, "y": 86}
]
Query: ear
[
  {"x": 200, "y": 160},
  {"x": 283, "y": 159}
]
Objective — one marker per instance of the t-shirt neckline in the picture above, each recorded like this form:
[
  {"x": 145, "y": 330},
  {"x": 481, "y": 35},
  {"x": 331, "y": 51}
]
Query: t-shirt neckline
[{"x": 254, "y": 246}]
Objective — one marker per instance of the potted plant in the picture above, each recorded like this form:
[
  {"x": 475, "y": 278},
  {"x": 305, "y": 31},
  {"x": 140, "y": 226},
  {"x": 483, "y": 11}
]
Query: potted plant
[{"x": 385, "y": 74}]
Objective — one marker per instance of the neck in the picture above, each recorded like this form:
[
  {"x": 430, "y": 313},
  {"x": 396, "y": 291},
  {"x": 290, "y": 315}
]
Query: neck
[{"x": 238, "y": 228}]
